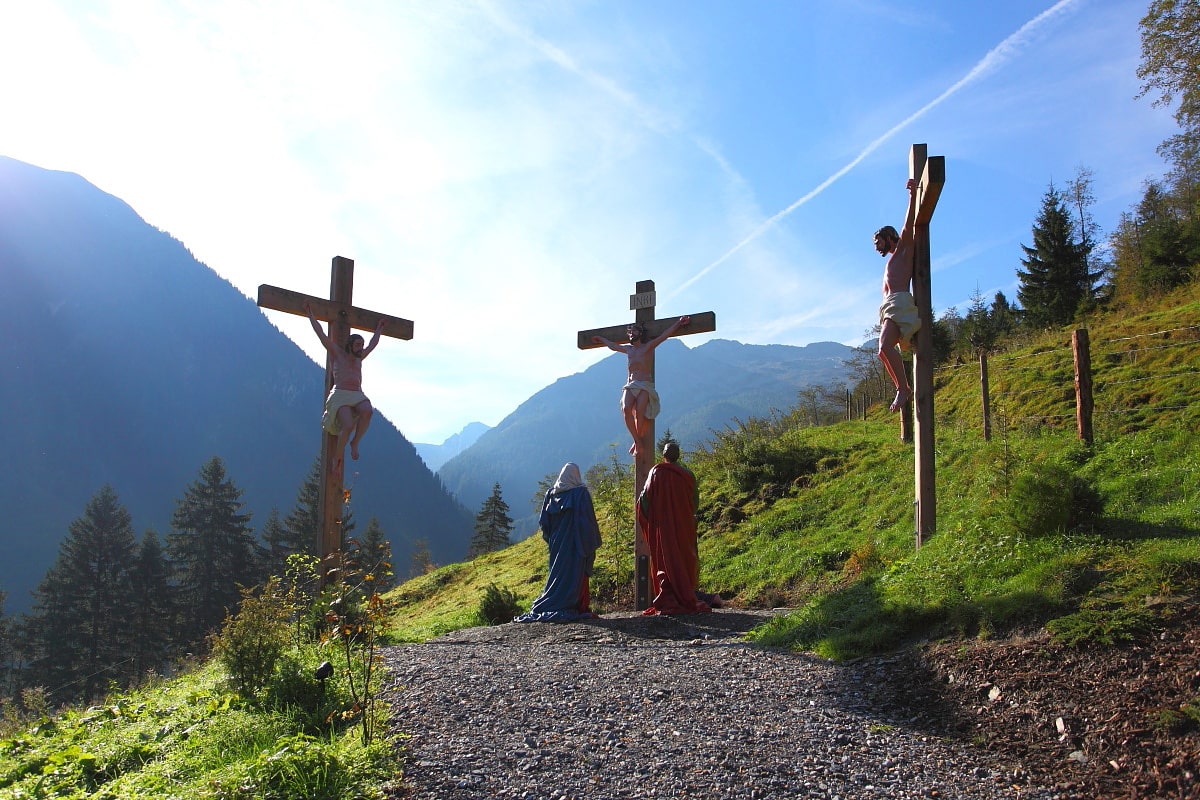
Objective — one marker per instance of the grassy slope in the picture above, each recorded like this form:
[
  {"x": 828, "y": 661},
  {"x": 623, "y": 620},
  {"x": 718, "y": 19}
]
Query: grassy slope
[
  {"x": 827, "y": 528},
  {"x": 818, "y": 519}
]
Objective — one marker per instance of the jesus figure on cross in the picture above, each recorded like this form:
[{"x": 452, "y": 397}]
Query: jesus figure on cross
[
  {"x": 639, "y": 400},
  {"x": 347, "y": 409}
]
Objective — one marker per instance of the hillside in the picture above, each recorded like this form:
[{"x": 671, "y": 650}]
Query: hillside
[
  {"x": 131, "y": 364},
  {"x": 1053, "y": 611},
  {"x": 577, "y": 418}
]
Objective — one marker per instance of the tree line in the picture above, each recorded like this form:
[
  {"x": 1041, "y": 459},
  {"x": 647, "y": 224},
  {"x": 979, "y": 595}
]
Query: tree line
[
  {"x": 114, "y": 607},
  {"x": 1070, "y": 269}
]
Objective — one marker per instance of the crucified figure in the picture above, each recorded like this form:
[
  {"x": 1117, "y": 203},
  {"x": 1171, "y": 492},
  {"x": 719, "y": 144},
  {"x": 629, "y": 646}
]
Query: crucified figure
[
  {"x": 639, "y": 400},
  {"x": 347, "y": 409},
  {"x": 898, "y": 318}
]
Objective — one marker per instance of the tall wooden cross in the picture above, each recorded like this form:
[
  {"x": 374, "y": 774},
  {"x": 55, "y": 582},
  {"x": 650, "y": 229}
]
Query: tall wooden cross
[
  {"x": 341, "y": 316},
  {"x": 930, "y": 175},
  {"x": 642, "y": 304}
]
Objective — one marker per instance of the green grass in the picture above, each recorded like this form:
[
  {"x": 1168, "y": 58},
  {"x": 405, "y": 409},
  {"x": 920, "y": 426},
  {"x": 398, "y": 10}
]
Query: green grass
[
  {"x": 1033, "y": 529},
  {"x": 1032, "y": 526},
  {"x": 185, "y": 738}
]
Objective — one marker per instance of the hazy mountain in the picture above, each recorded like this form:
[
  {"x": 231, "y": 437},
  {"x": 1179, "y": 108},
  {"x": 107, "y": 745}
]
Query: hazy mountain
[
  {"x": 129, "y": 363},
  {"x": 578, "y": 418},
  {"x": 434, "y": 455}
]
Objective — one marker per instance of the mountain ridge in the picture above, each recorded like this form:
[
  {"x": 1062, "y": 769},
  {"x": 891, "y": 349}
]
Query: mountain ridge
[{"x": 132, "y": 364}]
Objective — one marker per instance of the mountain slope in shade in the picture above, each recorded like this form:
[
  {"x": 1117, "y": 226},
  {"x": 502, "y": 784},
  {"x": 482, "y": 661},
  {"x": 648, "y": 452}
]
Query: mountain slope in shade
[
  {"x": 578, "y": 418},
  {"x": 434, "y": 455},
  {"x": 128, "y": 362}
]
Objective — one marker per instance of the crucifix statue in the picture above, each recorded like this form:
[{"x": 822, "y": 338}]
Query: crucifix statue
[
  {"x": 341, "y": 315},
  {"x": 637, "y": 394},
  {"x": 929, "y": 173}
]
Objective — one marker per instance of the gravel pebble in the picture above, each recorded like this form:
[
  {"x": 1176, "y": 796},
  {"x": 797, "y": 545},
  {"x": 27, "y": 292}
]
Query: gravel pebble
[{"x": 666, "y": 707}]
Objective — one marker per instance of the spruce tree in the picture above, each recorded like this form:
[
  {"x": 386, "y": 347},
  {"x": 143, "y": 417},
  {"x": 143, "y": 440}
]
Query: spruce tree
[
  {"x": 83, "y": 606},
  {"x": 302, "y": 525},
  {"x": 492, "y": 526},
  {"x": 212, "y": 549},
  {"x": 372, "y": 555},
  {"x": 152, "y": 607},
  {"x": 1053, "y": 284},
  {"x": 420, "y": 561}
]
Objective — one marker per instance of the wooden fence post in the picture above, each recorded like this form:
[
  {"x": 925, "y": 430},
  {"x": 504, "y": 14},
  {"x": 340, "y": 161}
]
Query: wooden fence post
[
  {"x": 986, "y": 401},
  {"x": 1083, "y": 384}
]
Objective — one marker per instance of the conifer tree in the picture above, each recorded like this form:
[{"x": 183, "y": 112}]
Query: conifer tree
[
  {"x": 372, "y": 555},
  {"x": 152, "y": 608},
  {"x": 492, "y": 526},
  {"x": 82, "y": 609},
  {"x": 1055, "y": 281},
  {"x": 278, "y": 544},
  {"x": 420, "y": 560},
  {"x": 302, "y": 525},
  {"x": 212, "y": 550}
]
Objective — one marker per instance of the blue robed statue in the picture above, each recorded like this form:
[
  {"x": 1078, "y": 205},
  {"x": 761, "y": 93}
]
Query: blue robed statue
[{"x": 568, "y": 523}]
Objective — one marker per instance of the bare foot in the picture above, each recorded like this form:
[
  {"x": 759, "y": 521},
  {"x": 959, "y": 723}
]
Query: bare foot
[
  {"x": 354, "y": 450},
  {"x": 902, "y": 398}
]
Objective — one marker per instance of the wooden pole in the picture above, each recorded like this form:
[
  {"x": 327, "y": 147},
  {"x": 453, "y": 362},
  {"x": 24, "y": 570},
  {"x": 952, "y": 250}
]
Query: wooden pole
[
  {"x": 985, "y": 396},
  {"x": 1083, "y": 384},
  {"x": 342, "y": 317},
  {"x": 930, "y": 174},
  {"x": 642, "y": 304}
]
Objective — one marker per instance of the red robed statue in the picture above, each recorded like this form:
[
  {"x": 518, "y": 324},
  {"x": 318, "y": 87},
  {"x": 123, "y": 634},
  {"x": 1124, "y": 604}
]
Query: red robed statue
[{"x": 666, "y": 513}]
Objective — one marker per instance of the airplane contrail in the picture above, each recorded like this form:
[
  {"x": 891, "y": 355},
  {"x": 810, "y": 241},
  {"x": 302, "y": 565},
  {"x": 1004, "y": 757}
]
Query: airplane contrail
[{"x": 995, "y": 58}]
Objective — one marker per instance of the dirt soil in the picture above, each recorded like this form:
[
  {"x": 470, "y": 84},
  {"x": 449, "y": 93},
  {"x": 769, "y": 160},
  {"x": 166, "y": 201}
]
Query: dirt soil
[{"x": 1093, "y": 722}]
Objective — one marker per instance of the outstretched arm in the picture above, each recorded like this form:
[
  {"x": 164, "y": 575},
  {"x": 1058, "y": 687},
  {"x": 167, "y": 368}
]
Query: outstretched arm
[
  {"x": 676, "y": 325},
  {"x": 374, "y": 339},
  {"x": 316, "y": 325},
  {"x": 620, "y": 348},
  {"x": 910, "y": 216}
]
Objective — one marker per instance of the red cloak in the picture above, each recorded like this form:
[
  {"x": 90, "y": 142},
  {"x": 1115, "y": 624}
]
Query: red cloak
[{"x": 667, "y": 520}]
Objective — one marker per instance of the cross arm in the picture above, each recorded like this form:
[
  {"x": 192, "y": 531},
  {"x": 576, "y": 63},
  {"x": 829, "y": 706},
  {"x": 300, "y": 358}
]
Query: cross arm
[
  {"x": 933, "y": 178},
  {"x": 704, "y": 322},
  {"x": 277, "y": 299}
]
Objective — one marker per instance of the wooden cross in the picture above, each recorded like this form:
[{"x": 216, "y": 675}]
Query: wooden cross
[
  {"x": 341, "y": 316},
  {"x": 642, "y": 304},
  {"x": 930, "y": 174}
]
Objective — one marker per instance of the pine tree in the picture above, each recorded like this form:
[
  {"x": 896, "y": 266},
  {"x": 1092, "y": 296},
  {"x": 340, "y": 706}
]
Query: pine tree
[
  {"x": 372, "y": 555},
  {"x": 1053, "y": 284},
  {"x": 302, "y": 526},
  {"x": 1001, "y": 316},
  {"x": 420, "y": 562},
  {"x": 278, "y": 544},
  {"x": 976, "y": 332},
  {"x": 152, "y": 608},
  {"x": 303, "y": 523},
  {"x": 492, "y": 526},
  {"x": 212, "y": 549},
  {"x": 83, "y": 606}
]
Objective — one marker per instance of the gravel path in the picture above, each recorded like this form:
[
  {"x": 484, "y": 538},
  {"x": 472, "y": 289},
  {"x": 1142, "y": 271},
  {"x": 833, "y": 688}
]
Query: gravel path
[{"x": 656, "y": 707}]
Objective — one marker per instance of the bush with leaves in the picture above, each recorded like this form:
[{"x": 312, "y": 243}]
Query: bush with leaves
[{"x": 251, "y": 642}]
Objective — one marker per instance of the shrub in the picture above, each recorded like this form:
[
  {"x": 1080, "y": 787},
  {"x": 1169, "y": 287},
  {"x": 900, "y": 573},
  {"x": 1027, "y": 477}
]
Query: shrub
[
  {"x": 499, "y": 605},
  {"x": 250, "y": 643},
  {"x": 1050, "y": 499}
]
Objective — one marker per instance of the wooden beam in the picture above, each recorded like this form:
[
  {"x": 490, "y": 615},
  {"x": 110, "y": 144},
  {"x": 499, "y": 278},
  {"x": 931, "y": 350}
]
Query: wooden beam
[
  {"x": 933, "y": 178},
  {"x": 278, "y": 299},
  {"x": 704, "y": 322}
]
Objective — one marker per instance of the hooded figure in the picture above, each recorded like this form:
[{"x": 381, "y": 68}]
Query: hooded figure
[{"x": 568, "y": 523}]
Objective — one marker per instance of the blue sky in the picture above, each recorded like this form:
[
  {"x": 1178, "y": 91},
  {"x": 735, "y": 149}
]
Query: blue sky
[{"x": 504, "y": 172}]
